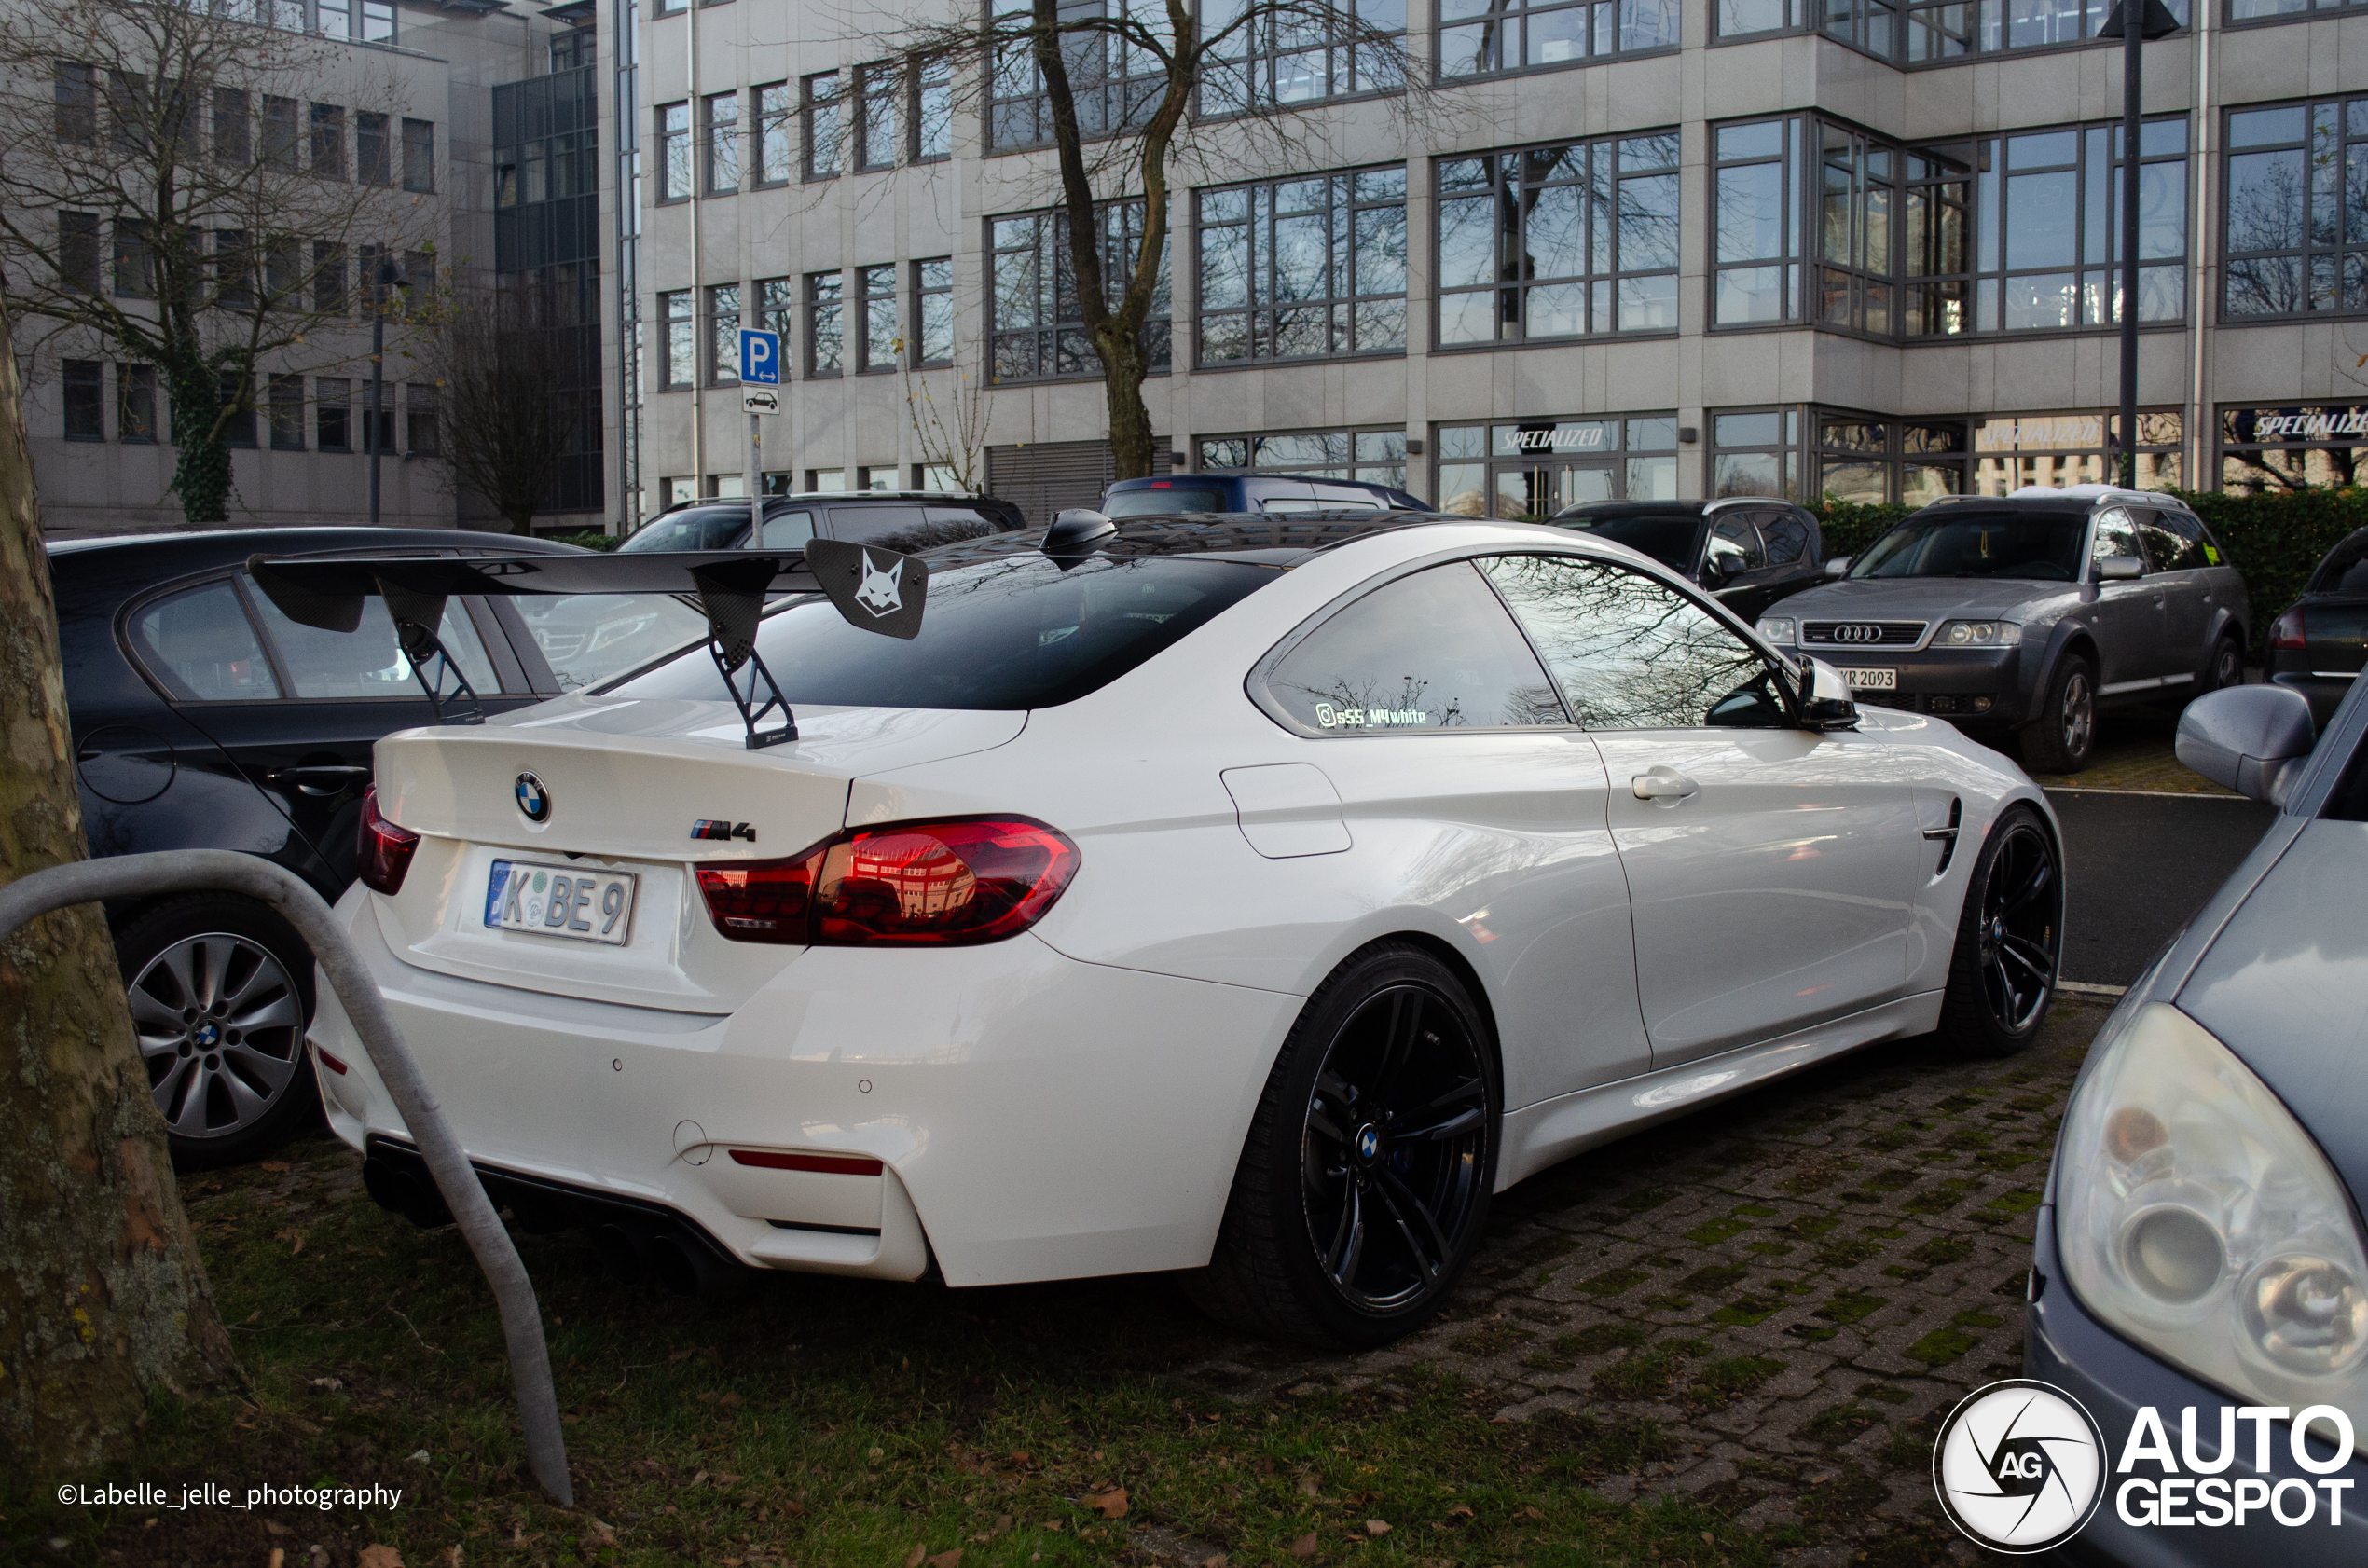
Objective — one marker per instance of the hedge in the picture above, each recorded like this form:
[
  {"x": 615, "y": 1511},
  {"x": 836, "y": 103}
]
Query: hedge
[
  {"x": 2275, "y": 540},
  {"x": 591, "y": 539}
]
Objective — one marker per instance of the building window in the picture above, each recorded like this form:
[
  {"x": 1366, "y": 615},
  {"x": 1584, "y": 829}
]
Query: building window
[
  {"x": 1114, "y": 85},
  {"x": 1559, "y": 241},
  {"x": 772, "y": 151},
  {"x": 420, "y": 411},
  {"x": 2013, "y": 450},
  {"x": 233, "y": 270},
  {"x": 333, "y": 19},
  {"x": 774, "y": 298},
  {"x": 2030, "y": 226},
  {"x": 134, "y": 276},
  {"x": 1921, "y": 31},
  {"x": 377, "y": 22},
  {"x": 1535, "y": 467},
  {"x": 328, "y": 142},
  {"x": 819, "y": 96},
  {"x": 1036, "y": 331},
  {"x": 723, "y": 334},
  {"x": 1755, "y": 451},
  {"x": 875, "y": 299},
  {"x": 1756, "y": 219},
  {"x": 674, "y": 152},
  {"x": 86, "y": 400},
  {"x": 877, "y": 89},
  {"x": 280, "y": 133},
  {"x": 679, "y": 367},
  {"x": 1485, "y": 37},
  {"x": 1857, "y": 191},
  {"x": 77, "y": 89},
  {"x": 719, "y": 134},
  {"x": 135, "y": 406},
  {"x": 2297, "y": 179},
  {"x": 825, "y": 324},
  {"x": 233, "y": 136},
  {"x": 1304, "y": 269},
  {"x": 78, "y": 251},
  {"x": 932, "y": 110},
  {"x": 378, "y": 425},
  {"x": 1289, "y": 57},
  {"x": 373, "y": 159},
  {"x": 1741, "y": 18},
  {"x": 418, "y": 155},
  {"x": 328, "y": 278},
  {"x": 572, "y": 49},
  {"x": 932, "y": 313},
  {"x": 937, "y": 478},
  {"x": 331, "y": 431},
  {"x": 284, "y": 411},
  {"x": 1374, "y": 457},
  {"x": 2294, "y": 447}
]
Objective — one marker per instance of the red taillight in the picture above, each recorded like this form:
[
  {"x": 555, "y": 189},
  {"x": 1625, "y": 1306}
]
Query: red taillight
[
  {"x": 330, "y": 1061},
  {"x": 386, "y": 850},
  {"x": 830, "y": 1165},
  {"x": 2287, "y": 630},
  {"x": 907, "y": 884}
]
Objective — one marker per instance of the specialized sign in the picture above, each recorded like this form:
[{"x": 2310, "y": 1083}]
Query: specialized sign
[
  {"x": 760, "y": 358},
  {"x": 760, "y": 400}
]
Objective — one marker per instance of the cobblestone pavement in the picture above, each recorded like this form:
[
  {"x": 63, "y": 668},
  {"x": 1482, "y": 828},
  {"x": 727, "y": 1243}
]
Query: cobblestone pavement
[
  {"x": 2135, "y": 751},
  {"x": 1770, "y": 1304}
]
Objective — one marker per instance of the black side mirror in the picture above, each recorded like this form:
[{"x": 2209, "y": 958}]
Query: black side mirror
[{"x": 1714, "y": 572}]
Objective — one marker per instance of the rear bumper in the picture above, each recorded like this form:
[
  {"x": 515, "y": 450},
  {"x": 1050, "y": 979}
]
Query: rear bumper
[
  {"x": 2065, "y": 1346},
  {"x": 1011, "y": 1112}
]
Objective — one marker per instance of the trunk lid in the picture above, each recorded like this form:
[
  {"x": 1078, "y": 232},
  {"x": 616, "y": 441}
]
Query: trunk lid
[{"x": 625, "y": 783}]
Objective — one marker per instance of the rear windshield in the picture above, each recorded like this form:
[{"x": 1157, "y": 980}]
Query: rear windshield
[
  {"x": 1959, "y": 543},
  {"x": 705, "y": 528},
  {"x": 1164, "y": 504},
  {"x": 1668, "y": 537},
  {"x": 999, "y": 635},
  {"x": 2346, "y": 569}
]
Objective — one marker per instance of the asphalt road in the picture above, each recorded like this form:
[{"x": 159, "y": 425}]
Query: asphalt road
[{"x": 2137, "y": 866}]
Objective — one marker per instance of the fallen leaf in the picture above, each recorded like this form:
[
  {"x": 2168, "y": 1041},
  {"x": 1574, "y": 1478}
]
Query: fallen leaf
[
  {"x": 1377, "y": 1527},
  {"x": 877, "y": 1454},
  {"x": 1002, "y": 1524},
  {"x": 274, "y": 1527},
  {"x": 731, "y": 1562},
  {"x": 1461, "y": 1510},
  {"x": 1305, "y": 1546},
  {"x": 919, "y": 1554},
  {"x": 698, "y": 1479},
  {"x": 948, "y": 1558},
  {"x": 1529, "y": 1513},
  {"x": 277, "y": 1167},
  {"x": 1309, "y": 1486},
  {"x": 1216, "y": 1562},
  {"x": 452, "y": 1556},
  {"x": 1019, "y": 1456},
  {"x": 730, "y": 1401},
  {"x": 1110, "y": 1505},
  {"x": 379, "y": 1555},
  {"x": 330, "y": 1384}
]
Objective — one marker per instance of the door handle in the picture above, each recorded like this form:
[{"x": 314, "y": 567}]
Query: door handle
[{"x": 1670, "y": 787}]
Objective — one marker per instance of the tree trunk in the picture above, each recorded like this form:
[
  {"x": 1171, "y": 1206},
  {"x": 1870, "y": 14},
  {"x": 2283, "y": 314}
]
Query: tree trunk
[
  {"x": 102, "y": 1300},
  {"x": 1124, "y": 365},
  {"x": 201, "y": 470}
]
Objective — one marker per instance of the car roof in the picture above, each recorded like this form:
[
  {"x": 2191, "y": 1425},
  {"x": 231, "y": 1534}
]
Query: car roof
[
  {"x": 836, "y": 497},
  {"x": 1286, "y": 539},
  {"x": 2070, "y": 501}
]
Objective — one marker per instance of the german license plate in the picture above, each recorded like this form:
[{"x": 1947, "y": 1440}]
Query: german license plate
[
  {"x": 571, "y": 902},
  {"x": 1872, "y": 679}
]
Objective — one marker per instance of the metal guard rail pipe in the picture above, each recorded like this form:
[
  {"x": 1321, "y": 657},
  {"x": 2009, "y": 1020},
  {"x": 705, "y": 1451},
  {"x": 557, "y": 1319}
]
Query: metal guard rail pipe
[{"x": 190, "y": 871}]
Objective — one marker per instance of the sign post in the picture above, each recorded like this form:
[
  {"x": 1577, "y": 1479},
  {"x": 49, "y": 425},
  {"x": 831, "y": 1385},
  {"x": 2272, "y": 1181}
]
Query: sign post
[{"x": 760, "y": 381}]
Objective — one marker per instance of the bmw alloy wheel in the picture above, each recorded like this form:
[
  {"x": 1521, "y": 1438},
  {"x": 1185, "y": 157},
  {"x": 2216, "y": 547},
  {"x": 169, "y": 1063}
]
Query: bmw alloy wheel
[
  {"x": 1395, "y": 1150},
  {"x": 2021, "y": 902},
  {"x": 221, "y": 1028}
]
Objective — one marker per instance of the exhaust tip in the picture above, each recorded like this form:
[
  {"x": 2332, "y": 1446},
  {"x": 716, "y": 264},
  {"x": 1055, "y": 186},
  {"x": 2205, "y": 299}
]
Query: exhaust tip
[
  {"x": 398, "y": 1191},
  {"x": 682, "y": 1267}
]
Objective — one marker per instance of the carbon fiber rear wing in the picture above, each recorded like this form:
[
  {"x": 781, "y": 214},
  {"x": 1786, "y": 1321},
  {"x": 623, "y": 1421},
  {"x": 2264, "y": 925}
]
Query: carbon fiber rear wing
[{"x": 876, "y": 590}]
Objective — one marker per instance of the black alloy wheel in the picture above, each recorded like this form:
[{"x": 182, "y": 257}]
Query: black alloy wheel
[
  {"x": 1364, "y": 1183},
  {"x": 2009, "y": 939}
]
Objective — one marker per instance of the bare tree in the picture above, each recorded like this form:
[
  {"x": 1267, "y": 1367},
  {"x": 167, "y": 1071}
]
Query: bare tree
[
  {"x": 951, "y": 435},
  {"x": 1123, "y": 90},
  {"x": 167, "y": 195},
  {"x": 102, "y": 1301},
  {"x": 503, "y": 430}
]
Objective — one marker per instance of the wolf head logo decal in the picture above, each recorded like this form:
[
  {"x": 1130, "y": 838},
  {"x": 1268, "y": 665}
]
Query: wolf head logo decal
[{"x": 882, "y": 592}]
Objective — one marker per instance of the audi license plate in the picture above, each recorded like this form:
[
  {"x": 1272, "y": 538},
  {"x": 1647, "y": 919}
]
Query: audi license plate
[
  {"x": 1872, "y": 679},
  {"x": 570, "y": 902}
]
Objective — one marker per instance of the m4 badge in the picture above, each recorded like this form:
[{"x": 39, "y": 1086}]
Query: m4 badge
[{"x": 720, "y": 830}]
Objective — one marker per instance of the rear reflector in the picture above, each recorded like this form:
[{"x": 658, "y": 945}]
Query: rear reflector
[
  {"x": 2290, "y": 630},
  {"x": 829, "y": 1164},
  {"x": 330, "y": 1061},
  {"x": 950, "y": 882},
  {"x": 385, "y": 848}
]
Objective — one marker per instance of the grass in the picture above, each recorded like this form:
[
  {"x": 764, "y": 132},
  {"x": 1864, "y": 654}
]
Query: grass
[{"x": 834, "y": 1425}]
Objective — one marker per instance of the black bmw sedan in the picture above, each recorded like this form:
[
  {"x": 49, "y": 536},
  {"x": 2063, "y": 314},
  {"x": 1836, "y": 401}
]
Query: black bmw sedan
[{"x": 203, "y": 718}]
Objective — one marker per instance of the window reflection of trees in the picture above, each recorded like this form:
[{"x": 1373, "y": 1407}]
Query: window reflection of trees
[
  {"x": 1629, "y": 654},
  {"x": 1437, "y": 644}
]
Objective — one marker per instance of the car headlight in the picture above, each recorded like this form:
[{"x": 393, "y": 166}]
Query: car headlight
[
  {"x": 1978, "y": 634},
  {"x": 1777, "y": 630},
  {"x": 2196, "y": 1217}
]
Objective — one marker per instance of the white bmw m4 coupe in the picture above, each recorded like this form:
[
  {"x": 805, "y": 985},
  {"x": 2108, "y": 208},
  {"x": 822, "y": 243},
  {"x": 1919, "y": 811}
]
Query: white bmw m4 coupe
[{"x": 1247, "y": 896}]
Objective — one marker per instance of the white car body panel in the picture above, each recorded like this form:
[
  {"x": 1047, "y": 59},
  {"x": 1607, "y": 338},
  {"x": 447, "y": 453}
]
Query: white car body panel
[{"x": 1074, "y": 1100}]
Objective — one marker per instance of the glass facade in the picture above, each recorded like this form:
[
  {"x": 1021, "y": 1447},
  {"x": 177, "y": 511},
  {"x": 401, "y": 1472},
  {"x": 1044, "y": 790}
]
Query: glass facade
[
  {"x": 1560, "y": 241},
  {"x": 1489, "y": 37},
  {"x": 2270, "y": 450},
  {"x": 1114, "y": 83},
  {"x": 1307, "y": 269},
  {"x": 1374, "y": 457},
  {"x": 1532, "y": 468},
  {"x": 1035, "y": 327},
  {"x": 1271, "y": 57}
]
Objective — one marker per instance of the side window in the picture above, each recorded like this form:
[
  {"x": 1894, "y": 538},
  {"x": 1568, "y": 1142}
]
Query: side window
[
  {"x": 789, "y": 531},
  {"x": 1734, "y": 540},
  {"x": 868, "y": 524},
  {"x": 1787, "y": 537},
  {"x": 2117, "y": 535},
  {"x": 1631, "y": 655},
  {"x": 2175, "y": 543},
  {"x": 367, "y": 662},
  {"x": 201, "y": 645},
  {"x": 1429, "y": 651}
]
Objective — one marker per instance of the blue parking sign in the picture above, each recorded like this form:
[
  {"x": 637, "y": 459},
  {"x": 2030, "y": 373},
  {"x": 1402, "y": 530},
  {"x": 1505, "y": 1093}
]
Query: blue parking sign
[{"x": 760, "y": 358}]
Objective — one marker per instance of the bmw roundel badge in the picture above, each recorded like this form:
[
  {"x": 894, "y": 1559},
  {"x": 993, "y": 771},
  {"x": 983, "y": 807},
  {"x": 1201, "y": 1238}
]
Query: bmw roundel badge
[{"x": 533, "y": 799}]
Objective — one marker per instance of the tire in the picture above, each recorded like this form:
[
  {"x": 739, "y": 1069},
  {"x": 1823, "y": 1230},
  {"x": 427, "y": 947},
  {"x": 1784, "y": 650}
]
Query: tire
[
  {"x": 2223, "y": 669},
  {"x": 1345, "y": 1228},
  {"x": 221, "y": 991},
  {"x": 2062, "y": 736},
  {"x": 2005, "y": 966}
]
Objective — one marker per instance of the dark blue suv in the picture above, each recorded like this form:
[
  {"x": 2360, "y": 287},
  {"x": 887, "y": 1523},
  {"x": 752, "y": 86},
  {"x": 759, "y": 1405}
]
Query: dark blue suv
[{"x": 1271, "y": 493}]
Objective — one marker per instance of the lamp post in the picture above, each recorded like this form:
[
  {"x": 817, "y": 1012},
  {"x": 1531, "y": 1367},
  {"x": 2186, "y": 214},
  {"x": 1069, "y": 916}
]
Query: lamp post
[
  {"x": 2155, "y": 21},
  {"x": 389, "y": 275}
]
